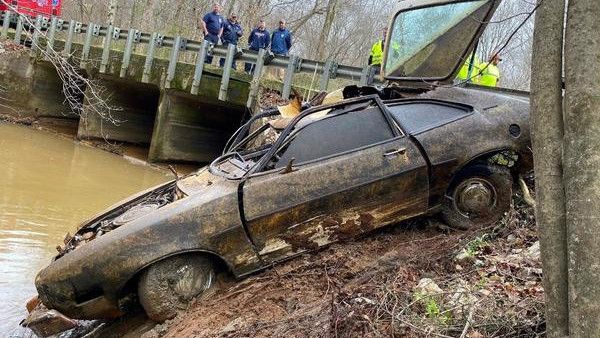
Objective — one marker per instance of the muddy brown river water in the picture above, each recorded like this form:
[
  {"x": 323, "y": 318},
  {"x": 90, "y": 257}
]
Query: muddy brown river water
[{"x": 48, "y": 186}]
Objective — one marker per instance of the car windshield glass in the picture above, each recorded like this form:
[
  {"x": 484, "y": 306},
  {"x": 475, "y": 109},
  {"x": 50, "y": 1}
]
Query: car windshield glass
[{"x": 430, "y": 42}]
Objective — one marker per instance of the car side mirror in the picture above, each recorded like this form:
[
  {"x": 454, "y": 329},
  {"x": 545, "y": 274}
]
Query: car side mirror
[{"x": 288, "y": 168}]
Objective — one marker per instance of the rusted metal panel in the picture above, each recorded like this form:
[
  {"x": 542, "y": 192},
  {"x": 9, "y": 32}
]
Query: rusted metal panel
[
  {"x": 206, "y": 221},
  {"x": 326, "y": 201}
]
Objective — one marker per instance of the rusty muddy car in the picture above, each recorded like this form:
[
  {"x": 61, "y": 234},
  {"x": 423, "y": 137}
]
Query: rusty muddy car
[{"x": 421, "y": 145}]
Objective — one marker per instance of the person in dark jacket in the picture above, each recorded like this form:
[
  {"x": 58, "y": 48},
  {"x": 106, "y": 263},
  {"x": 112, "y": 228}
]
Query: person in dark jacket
[
  {"x": 212, "y": 27},
  {"x": 281, "y": 40},
  {"x": 258, "y": 38},
  {"x": 232, "y": 31}
]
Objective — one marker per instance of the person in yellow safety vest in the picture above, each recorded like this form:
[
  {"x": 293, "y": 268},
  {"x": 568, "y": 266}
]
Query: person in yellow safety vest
[
  {"x": 463, "y": 74},
  {"x": 490, "y": 74},
  {"x": 376, "y": 57}
]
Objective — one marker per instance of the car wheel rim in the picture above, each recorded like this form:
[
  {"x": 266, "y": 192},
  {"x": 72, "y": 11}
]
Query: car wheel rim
[
  {"x": 189, "y": 282},
  {"x": 475, "y": 197}
]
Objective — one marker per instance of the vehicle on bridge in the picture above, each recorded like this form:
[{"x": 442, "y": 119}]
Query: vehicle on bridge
[
  {"x": 32, "y": 8},
  {"x": 285, "y": 186}
]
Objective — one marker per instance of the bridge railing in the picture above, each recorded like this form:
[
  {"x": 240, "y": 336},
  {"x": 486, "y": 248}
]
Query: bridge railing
[{"x": 48, "y": 28}]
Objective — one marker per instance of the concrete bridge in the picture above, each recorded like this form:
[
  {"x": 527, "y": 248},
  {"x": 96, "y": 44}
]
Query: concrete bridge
[{"x": 183, "y": 109}]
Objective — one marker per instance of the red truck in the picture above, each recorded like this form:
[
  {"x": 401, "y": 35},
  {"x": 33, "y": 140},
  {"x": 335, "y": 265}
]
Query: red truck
[{"x": 34, "y": 8}]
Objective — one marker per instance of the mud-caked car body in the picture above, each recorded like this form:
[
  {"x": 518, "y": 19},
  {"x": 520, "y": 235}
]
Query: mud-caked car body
[{"x": 330, "y": 173}]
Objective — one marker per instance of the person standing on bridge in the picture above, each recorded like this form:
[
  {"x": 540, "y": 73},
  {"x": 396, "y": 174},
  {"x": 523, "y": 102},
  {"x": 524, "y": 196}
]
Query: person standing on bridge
[
  {"x": 258, "y": 39},
  {"x": 232, "y": 31},
  {"x": 212, "y": 27},
  {"x": 376, "y": 56},
  {"x": 377, "y": 50},
  {"x": 281, "y": 42}
]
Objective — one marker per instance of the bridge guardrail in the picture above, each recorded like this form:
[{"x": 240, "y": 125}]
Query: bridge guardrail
[{"x": 292, "y": 64}]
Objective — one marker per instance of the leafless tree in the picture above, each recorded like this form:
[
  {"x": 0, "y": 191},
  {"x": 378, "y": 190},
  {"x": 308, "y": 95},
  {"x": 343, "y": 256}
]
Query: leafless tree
[{"x": 79, "y": 91}]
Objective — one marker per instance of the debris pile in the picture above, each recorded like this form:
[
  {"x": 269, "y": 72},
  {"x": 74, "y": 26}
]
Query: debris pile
[{"x": 410, "y": 280}]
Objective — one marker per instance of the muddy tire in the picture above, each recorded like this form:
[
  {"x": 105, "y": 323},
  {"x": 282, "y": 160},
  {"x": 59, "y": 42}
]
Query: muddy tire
[
  {"x": 169, "y": 285},
  {"x": 479, "y": 196}
]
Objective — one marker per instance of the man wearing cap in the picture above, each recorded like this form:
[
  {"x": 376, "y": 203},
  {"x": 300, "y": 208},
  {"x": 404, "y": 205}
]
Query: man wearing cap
[
  {"x": 490, "y": 74},
  {"x": 232, "y": 31},
  {"x": 258, "y": 39},
  {"x": 212, "y": 27}
]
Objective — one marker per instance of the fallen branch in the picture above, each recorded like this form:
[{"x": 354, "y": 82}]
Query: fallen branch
[{"x": 526, "y": 194}]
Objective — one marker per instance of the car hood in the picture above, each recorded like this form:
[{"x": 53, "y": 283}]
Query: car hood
[
  {"x": 429, "y": 40},
  {"x": 140, "y": 205}
]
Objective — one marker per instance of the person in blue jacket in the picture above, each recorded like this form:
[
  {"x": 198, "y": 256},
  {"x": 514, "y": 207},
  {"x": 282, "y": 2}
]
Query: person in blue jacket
[
  {"x": 281, "y": 40},
  {"x": 258, "y": 38},
  {"x": 212, "y": 27},
  {"x": 232, "y": 31}
]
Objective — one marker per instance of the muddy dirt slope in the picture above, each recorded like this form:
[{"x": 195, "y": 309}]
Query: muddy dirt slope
[{"x": 410, "y": 280}]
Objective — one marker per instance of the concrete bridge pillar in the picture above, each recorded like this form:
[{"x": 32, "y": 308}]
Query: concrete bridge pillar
[
  {"x": 46, "y": 93},
  {"x": 192, "y": 128},
  {"x": 33, "y": 87},
  {"x": 132, "y": 106}
]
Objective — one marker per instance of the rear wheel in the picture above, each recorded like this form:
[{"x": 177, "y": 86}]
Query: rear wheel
[
  {"x": 480, "y": 195},
  {"x": 169, "y": 285}
]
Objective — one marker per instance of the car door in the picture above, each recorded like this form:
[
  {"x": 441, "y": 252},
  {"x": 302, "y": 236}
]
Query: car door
[{"x": 354, "y": 173}]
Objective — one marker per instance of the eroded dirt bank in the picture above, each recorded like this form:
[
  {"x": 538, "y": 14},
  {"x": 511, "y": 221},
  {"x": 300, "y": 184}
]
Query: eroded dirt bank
[{"x": 410, "y": 280}]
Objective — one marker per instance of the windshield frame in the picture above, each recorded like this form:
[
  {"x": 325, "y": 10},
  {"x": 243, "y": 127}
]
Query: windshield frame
[{"x": 409, "y": 5}]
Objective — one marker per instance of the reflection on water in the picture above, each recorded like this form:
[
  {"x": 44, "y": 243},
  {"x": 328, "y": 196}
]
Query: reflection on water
[{"x": 48, "y": 186}]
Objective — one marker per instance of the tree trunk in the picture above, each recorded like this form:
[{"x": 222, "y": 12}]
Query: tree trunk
[
  {"x": 582, "y": 165},
  {"x": 112, "y": 11},
  {"x": 323, "y": 37},
  {"x": 547, "y": 133}
]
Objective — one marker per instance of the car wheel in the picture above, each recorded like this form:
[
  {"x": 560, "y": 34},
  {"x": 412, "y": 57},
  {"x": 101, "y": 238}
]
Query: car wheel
[
  {"x": 169, "y": 285},
  {"x": 480, "y": 195}
]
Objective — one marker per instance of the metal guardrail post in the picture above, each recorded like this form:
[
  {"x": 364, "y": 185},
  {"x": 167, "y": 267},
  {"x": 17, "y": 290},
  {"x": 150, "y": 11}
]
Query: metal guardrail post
[
  {"x": 289, "y": 77},
  {"x": 6, "y": 23},
  {"x": 224, "y": 90},
  {"x": 69, "y": 42},
  {"x": 35, "y": 38},
  {"x": 364, "y": 76},
  {"x": 50, "y": 36},
  {"x": 199, "y": 67},
  {"x": 106, "y": 48},
  {"x": 324, "y": 83},
  {"x": 173, "y": 62},
  {"x": 19, "y": 30},
  {"x": 149, "y": 58},
  {"x": 127, "y": 53},
  {"x": 255, "y": 84},
  {"x": 87, "y": 44}
]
